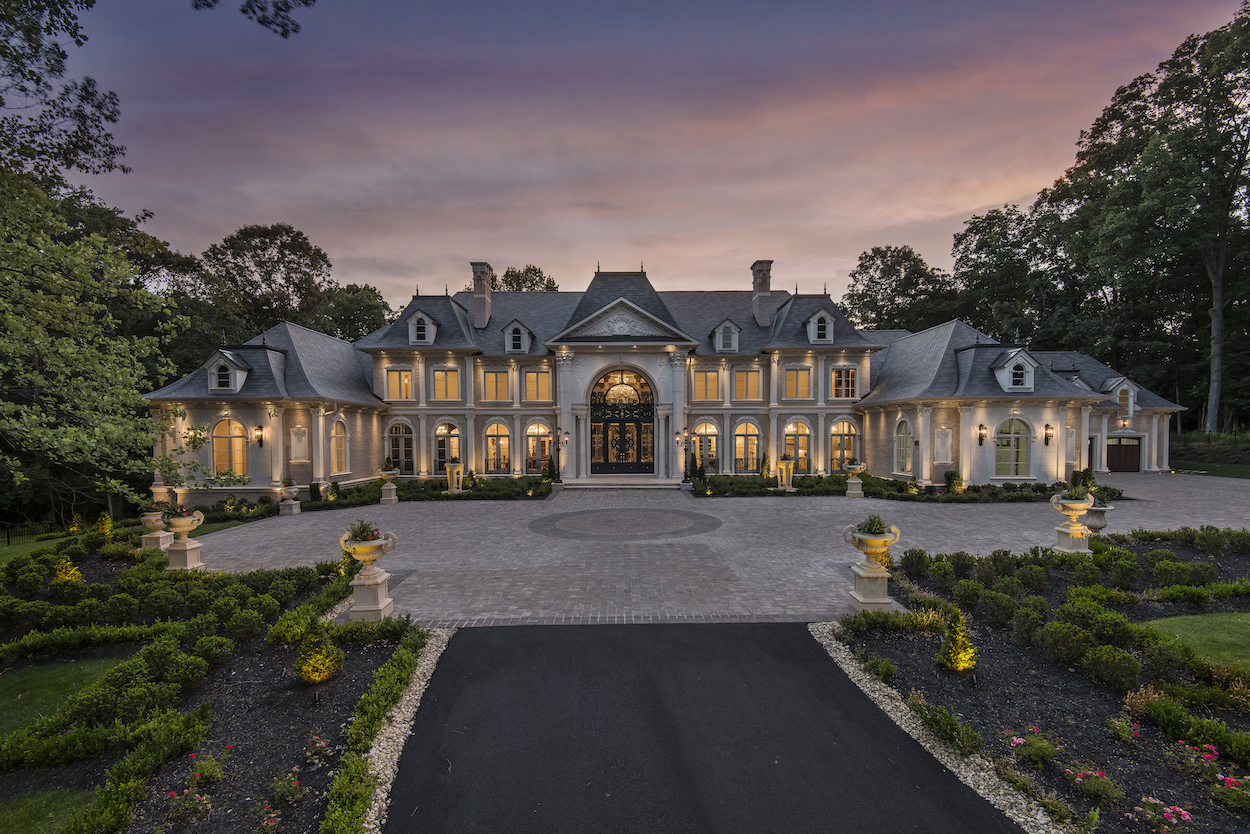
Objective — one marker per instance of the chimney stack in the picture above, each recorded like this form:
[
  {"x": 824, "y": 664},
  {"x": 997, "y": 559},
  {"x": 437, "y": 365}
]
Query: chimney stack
[
  {"x": 482, "y": 274},
  {"x": 761, "y": 305}
]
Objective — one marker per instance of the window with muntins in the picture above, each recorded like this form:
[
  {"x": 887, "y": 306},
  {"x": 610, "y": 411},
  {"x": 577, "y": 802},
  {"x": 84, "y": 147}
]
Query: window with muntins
[
  {"x": 223, "y": 376},
  {"x": 747, "y": 448},
  {"x": 1017, "y": 375},
  {"x": 497, "y": 459},
  {"x": 516, "y": 338},
  {"x": 798, "y": 446},
  {"x": 446, "y": 447},
  {"x": 798, "y": 383},
  {"x": 822, "y": 328},
  {"x": 902, "y": 447},
  {"x": 746, "y": 385},
  {"x": 705, "y": 385},
  {"x": 229, "y": 448},
  {"x": 705, "y": 451},
  {"x": 399, "y": 385},
  {"x": 400, "y": 436},
  {"x": 537, "y": 385},
  {"x": 1124, "y": 402},
  {"x": 1011, "y": 449},
  {"x": 495, "y": 385},
  {"x": 338, "y": 447},
  {"x": 447, "y": 385},
  {"x": 841, "y": 445},
  {"x": 844, "y": 383},
  {"x": 418, "y": 330},
  {"x": 537, "y": 448}
]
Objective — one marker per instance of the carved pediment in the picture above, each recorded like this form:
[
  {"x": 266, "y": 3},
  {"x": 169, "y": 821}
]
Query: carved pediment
[{"x": 622, "y": 319}]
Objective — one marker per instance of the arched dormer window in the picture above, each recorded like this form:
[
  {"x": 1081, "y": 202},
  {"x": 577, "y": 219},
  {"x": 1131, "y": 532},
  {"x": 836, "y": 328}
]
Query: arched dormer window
[
  {"x": 223, "y": 376},
  {"x": 822, "y": 328},
  {"x": 516, "y": 338},
  {"x": 726, "y": 338},
  {"x": 419, "y": 330},
  {"x": 1017, "y": 375}
]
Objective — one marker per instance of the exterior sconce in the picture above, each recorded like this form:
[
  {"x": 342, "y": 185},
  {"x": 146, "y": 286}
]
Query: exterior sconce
[
  {"x": 258, "y": 434},
  {"x": 1050, "y": 432},
  {"x": 982, "y": 433}
]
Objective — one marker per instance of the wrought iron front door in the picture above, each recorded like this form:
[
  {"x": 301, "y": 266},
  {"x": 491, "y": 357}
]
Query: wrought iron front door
[{"x": 622, "y": 425}]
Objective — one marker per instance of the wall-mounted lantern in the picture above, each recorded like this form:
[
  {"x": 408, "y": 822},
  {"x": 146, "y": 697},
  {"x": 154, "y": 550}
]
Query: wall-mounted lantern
[
  {"x": 982, "y": 433},
  {"x": 258, "y": 434},
  {"x": 1050, "y": 432}
]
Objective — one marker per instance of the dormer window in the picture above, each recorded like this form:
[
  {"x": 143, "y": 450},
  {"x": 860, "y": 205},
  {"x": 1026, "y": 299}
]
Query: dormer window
[
  {"x": 819, "y": 327},
  {"x": 226, "y": 372},
  {"x": 1017, "y": 376},
  {"x": 515, "y": 338},
  {"x": 1015, "y": 370},
  {"x": 419, "y": 330},
  {"x": 223, "y": 376},
  {"x": 822, "y": 328},
  {"x": 725, "y": 337}
]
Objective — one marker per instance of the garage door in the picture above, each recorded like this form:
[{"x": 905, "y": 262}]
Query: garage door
[{"x": 1124, "y": 454}]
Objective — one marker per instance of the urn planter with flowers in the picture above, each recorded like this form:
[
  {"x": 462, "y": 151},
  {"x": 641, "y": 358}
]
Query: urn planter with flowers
[
  {"x": 1073, "y": 503},
  {"x": 370, "y": 591},
  {"x": 854, "y": 486},
  {"x": 184, "y": 553},
  {"x": 873, "y": 538},
  {"x": 289, "y": 505}
]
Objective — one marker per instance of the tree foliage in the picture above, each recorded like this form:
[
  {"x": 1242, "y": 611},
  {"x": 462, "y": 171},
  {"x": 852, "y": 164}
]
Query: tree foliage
[
  {"x": 892, "y": 287},
  {"x": 355, "y": 311}
]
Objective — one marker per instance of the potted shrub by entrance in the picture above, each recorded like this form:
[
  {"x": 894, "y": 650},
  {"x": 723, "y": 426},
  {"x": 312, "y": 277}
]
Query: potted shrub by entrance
[
  {"x": 785, "y": 472},
  {"x": 1072, "y": 503},
  {"x": 873, "y": 538},
  {"x": 371, "y": 595},
  {"x": 184, "y": 553}
]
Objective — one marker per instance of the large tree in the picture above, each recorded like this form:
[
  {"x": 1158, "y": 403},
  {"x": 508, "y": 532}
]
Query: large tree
[
  {"x": 1162, "y": 175},
  {"x": 892, "y": 287},
  {"x": 355, "y": 311}
]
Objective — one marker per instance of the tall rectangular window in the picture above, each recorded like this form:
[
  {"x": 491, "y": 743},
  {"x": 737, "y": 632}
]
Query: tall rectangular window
[
  {"x": 844, "y": 383},
  {"x": 746, "y": 385},
  {"x": 537, "y": 385},
  {"x": 798, "y": 383},
  {"x": 399, "y": 385},
  {"x": 447, "y": 385},
  {"x": 705, "y": 386},
  {"x": 495, "y": 385}
]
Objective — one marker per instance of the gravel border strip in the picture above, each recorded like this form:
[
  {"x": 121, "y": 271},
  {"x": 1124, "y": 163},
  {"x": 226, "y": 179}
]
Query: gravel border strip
[
  {"x": 383, "y": 756},
  {"x": 976, "y": 772}
]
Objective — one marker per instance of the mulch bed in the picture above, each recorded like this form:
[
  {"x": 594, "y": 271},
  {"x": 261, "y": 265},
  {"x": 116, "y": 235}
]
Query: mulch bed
[{"x": 1014, "y": 688}]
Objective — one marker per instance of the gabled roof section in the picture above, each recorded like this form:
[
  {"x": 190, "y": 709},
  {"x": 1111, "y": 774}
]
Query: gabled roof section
[
  {"x": 634, "y": 287},
  {"x": 622, "y": 321},
  {"x": 288, "y": 362},
  {"x": 702, "y": 312},
  {"x": 230, "y": 356},
  {"x": 790, "y": 325},
  {"x": 1089, "y": 372},
  {"x": 1008, "y": 357},
  {"x": 452, "y": 331}
]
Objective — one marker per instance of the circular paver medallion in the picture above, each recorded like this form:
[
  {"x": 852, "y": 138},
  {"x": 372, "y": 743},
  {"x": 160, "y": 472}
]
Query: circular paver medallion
[{"x": 625, "y": 524}]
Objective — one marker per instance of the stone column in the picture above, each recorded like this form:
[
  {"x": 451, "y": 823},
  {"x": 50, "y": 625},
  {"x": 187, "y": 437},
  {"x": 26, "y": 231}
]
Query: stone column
[
  {"x": 318, "y": 443},
  {"x": 1153, "y": 460},
  {"x": 422, "y": 450},
  {"x": 1165, "y": 461},
  {"x": 420, "y": 380},
  {"x": 729, "y": 448},
  {"x": 516, "y": 379},
  {"x": 775, "y": 371},
  {"x": 1061, "y": 440},
  {"x": 564, "y": 396},
  {"x": 1082, "y": 440},
  {"x": 516, "y": 446},
  {"x": 923, "y": 452},
  {"x": 276, "y": 443},
  {"x": 1102, "y": 445},
  {"x": 822, "y": 438},
  {"x": 967, "y": 442}
]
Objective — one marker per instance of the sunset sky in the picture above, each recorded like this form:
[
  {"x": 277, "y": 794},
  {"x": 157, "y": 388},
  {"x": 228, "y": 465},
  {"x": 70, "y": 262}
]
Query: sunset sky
[{"x": 409, "y": 137}]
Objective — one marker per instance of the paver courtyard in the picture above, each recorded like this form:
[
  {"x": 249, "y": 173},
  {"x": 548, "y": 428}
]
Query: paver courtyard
[{"x": 621, "y": 556}]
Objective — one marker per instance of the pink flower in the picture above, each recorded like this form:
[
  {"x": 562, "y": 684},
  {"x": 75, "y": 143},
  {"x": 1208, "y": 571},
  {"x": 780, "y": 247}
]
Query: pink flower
[
  {"x": 193, "y": 755},
  {"x": 1186, "y": 816},
  {"x": 1207, "y": 757},
  {"x": 173, "y": 793},
  {"x": 1016, "y": 740}
]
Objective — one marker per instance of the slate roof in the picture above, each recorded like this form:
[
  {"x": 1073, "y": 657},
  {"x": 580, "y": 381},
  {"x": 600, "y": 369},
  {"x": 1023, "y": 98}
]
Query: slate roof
[
  {"x": 606, "y": 287},
  {"x": 451, "y": 317},
  {"x": 789, "y": 327},
  {"x": 288, "y": 362},
  {"x": 699, "y": 312},
  {"x": 952, "y": 361},
  {"x": 1070, "y": 365}
]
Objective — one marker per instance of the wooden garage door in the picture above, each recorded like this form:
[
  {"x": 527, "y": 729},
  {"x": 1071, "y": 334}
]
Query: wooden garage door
[{"x": 1124, "y": 454}]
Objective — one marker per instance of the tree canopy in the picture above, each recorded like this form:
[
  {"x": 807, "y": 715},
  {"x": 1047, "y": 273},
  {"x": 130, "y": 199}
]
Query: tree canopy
[{"x": 892, "y": 287}]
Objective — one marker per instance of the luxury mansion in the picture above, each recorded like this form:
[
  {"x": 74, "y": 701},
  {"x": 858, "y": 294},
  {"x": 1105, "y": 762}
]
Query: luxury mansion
[{"x": 622, "y": 377}]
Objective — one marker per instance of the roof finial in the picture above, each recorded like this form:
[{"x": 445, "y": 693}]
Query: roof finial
[
  {"x": 826, "y": 289},
  {"x": 416, "y": 290},
  {"x": 1017, "y": 334},
  {"x": 262, "y": 340},
  {"x": 445, "y": 290},
  {"x": 223, "y": 335},
  {"x": 641, "y": 268},
  {"x": 597, "y": 266},
  {"x": 796, "y": 287}
]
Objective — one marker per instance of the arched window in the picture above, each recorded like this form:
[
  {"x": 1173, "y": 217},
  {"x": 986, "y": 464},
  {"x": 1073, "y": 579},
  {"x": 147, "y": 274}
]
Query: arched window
[
  {"x": 747, "y": 448},
  {"x": 223, "y": 376},
  {"x": 822, "y": 332},
  {"x": 726, "y": 338},
  {"x": 902, "y": 447},
  {"x": 1124, "y": 402},
  {"x": 229, "y": 448},
  {"x": 705, "y": 451},
  {"x": 497, "y": 459},
  {"x": 537, "y": 448},
  {"x": 1017, "y": 375},
  {"x": 338, "y": 448},
  {"x": 418, "y": 330},
  {"x": 401, "y": 447},
  {"x": 446, "y": 447},
  {"x": 841, "y": 445},
  {"x": 1011, "y": 449},
  {"x": 798, "y": 446},
  {"x": 516, "y": 338}
]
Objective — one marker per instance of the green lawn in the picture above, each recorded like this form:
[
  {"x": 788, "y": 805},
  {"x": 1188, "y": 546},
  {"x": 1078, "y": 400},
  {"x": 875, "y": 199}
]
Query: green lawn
[
  {"x": 1220, "y": 638},
  {"x": 7, "y": 553},
  {"x": 1221, "y": 470},
  {"x": 27, "y": 693},
  {"x": 42, "y": 813}
]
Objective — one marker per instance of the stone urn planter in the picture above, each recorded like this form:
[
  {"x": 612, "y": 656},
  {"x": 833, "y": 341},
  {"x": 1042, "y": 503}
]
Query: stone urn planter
[
  {"x": 389, "y": 495},
  {"x": 785, "y": 474},
  {"x": 854, "y": 486},
  {"x": 154, "y": 520},
  {"x": 871, "y": 575},
  {"x": 371, "y": 599},
  {"x": 1073, "y": 535},
  {"x": 455, "y": 477},
  {"x": 157, "y": 536},
  {"x": 184, "y": 552},
  {"x": 288, "y": 493},
  {"x": 1096, "y": 518}
]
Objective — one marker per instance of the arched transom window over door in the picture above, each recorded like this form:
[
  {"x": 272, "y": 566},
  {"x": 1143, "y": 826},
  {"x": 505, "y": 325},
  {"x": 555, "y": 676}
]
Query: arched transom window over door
[
  {"x": 798, "y": 446},
  {"x": 229, "y": 448},
  {"x": 401, "y": 448},
  {"x": 747, "y": 448},
  {"x": 622, "y": 424},
  {"x": 446, "y": 447},
  {"x": 498, "y": 458},
  {"x": 841, "y": 445},
  {"x": 1012, "y": 442},
  {"x": 902, "y": 447},
  {"x": 705, "y": 452}
]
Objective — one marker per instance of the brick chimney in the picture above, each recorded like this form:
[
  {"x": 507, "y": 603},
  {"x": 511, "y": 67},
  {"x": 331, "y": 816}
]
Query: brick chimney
[
  {"x": 761, "y": 305},
  {"x": 482, "y": 274}
]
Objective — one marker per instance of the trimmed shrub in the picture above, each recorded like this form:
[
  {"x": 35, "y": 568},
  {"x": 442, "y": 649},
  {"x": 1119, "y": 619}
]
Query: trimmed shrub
[
  {"x": 122, "y": 608},
  {"x": 163, "y": 603},
  {"x": 225, "y": 607},
  {"x": 1086, "y": 572},
  {"x": 947, "y": 725},
  {"x": 214, "y": 650},
  {"x": 116, "y": 552},
  {"x": 1167, "y": 661},
  {"x": 1003, "y": 561},
  {"x": 943, "y": 575},
  {"x": 1064, "y": 644},
  {"x": 881, "y": 668},
  {"x": 985, "y": 573},
  {"x": 1011, "y": 586},
  {"x": 265, "y": 605},
  {"x": 1033, "y": 578},
  {"x": 1184, "y": 593},
  {"x": 1124, "y": 573},
  {"x": 968, "y": 593},
  {"x": 999, "y": 607},
  {"x": 1113, "y": 629},
  {"x": 1113, "y": 667},
  {"x": 1153, "y": 557},
  {"x": 962, "y": 563},
  {"x": 1026, "y": 622},
  {"x": 915, "y": 562},
  {"x": 244, "y": 623}
]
